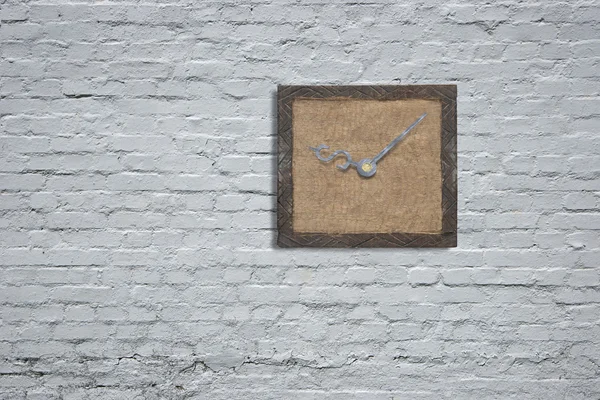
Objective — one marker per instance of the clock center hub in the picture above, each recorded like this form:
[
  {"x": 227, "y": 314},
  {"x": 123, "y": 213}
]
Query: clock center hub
[{"x": 366, "y": 167}]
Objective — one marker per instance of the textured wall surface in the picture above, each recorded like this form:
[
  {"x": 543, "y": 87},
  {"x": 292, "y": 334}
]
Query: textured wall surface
[{"x": 137, "y": 180}]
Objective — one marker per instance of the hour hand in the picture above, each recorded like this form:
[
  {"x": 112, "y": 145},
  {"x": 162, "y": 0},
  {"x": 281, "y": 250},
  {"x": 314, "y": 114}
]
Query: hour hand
[
  {"x": 333, "y": 155},
  {"x": 364, "y": 167}
]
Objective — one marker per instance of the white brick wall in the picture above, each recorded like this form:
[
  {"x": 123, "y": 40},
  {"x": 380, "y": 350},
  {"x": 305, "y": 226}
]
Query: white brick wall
[{"x": 137, "y": 182}]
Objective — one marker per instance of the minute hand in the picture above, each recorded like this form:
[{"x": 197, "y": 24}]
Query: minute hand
[{"x": 398, "y": 139}]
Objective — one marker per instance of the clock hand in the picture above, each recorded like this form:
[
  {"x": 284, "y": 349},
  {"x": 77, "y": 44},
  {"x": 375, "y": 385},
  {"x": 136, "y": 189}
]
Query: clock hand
[
  {"x": 344, "y": 166},
  {"x": 365, "y": 167},
  {"x": 394, "y": 142}
]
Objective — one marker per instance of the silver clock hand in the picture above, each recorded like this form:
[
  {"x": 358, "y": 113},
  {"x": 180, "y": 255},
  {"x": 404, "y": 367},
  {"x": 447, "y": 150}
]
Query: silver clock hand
[
  {"x": 397, "y": 140},
  {"x": 321, "y": 147}
]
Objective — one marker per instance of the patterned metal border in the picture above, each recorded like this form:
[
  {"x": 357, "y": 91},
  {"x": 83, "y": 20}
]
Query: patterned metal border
[{"x": 286, "y": 235}]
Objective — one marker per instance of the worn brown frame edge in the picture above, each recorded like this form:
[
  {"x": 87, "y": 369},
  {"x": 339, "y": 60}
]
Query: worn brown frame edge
[{"x": 288, "y": 238}]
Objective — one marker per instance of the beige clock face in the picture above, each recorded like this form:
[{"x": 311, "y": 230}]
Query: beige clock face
[{"x": 405, "y": 193}]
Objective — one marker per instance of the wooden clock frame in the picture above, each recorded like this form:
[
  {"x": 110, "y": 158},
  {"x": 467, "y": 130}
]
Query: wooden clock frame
[{"x": 286, "y": 235}]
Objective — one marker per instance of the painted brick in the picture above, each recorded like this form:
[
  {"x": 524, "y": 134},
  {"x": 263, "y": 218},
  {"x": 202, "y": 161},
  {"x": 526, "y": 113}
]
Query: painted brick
[{"x": 423, "y": 276}]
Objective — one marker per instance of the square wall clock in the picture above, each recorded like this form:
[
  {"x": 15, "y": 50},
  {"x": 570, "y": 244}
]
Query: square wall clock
[{"x": 366, "y": 166}]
